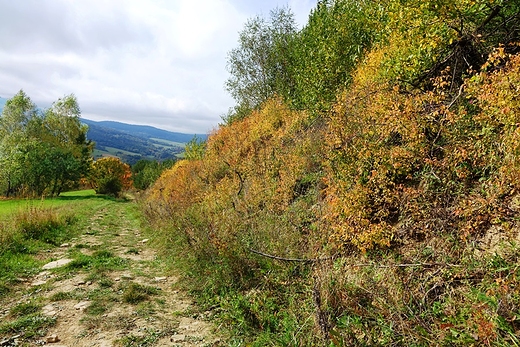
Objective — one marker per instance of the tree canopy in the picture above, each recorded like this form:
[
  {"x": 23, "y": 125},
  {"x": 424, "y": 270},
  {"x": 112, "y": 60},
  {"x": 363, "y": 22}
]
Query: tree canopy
[{"x": 42, "y": 152}]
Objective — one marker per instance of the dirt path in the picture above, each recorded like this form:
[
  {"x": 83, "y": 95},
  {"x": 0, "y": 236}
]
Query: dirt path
[{"x": 107, "y": 288}]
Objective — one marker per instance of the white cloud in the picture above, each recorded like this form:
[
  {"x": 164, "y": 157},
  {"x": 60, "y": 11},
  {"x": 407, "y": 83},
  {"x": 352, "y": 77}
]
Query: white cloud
[{"x": 157, "y": 62}]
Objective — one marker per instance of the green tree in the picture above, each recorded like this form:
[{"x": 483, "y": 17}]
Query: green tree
[
  {"x": 260, "y": 66},
  {"x": 195, "y": 149},
  {"x": 328, "y": 49},
  {"x": 17, "y": 113},
  {"x": 146, "y": 172},
  {"x": 43, "y": 152}
]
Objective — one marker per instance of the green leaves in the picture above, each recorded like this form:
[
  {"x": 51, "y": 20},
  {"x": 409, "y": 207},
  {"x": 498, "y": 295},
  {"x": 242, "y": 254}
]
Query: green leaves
[
  {"x": 260, "y": 66},
  {"x": 42, "y": 152}
]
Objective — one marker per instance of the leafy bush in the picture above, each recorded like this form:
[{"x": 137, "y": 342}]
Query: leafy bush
[
  {"x": 110, "y": 176},
  {"x": 391, "y": 195}
]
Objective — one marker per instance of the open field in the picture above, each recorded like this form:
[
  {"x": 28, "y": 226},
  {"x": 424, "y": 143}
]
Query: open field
[{"x": 10, "y": 206}]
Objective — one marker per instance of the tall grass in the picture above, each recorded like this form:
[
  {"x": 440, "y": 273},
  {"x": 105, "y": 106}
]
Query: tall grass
[{"x": 29, "y": 230}]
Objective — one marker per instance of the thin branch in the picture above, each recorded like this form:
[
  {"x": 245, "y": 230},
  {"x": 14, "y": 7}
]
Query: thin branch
[
  {"x": 316, "y": 260},
  {"x": 457, "y": 97},
  {"x": 293, "y": 260},
  {"x": 405, "y": 265},
  {"x": 241, "y": 186},
  {"x": 492, "y": 15}
]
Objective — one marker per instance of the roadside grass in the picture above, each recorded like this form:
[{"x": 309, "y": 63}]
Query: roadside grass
[
  {"x": 30, "y": 229},
  {"x": 440, "y": 291}
]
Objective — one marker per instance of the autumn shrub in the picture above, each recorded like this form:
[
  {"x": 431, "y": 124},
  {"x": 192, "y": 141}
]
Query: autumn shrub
[
  {"x": 370, "y": 222},
  {"x": 254, "y": 189},
  {"x": 110, "y": 176}
]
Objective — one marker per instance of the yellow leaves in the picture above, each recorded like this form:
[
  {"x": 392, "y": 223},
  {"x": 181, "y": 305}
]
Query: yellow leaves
[
  {"x": 110, "y": 169},
  {"x": 387, "y": 146}
]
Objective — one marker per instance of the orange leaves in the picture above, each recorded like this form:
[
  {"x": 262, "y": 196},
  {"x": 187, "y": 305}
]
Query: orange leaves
[
  {"x": 256, "y": 166},
  {"x": 178, "y": 187},
  {"x": 386, "y": 145},
  {"x": 110, "y": 175}
]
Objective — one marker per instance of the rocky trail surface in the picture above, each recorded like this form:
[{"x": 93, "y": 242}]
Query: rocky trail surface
[{"x": 108, "y": 288}]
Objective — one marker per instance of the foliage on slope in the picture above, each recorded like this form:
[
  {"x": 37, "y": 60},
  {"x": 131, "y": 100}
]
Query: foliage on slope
[{"x": 390, "y": 219}]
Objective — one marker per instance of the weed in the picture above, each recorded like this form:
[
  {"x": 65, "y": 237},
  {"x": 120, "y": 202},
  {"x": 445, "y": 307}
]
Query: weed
[
  {"x": 100, "y": 261},
  {"x": 24, "y": 309},
  {"x": 132, "y": 251},
  {"x": 97, "y": 308},
  {"x": 146, "y": 309},
  {"x": 105, "y": 282},
  {"x": 30, "y": 325},
  {"x": 136, "y": 293},
  {"x": 62, "y": 296},
  {"x": 148, "y": 339}
]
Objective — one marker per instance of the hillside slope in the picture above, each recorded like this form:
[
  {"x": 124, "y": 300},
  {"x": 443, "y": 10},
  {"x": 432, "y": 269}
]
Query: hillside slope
[
  {"x": 379, "y": 206},
  {"x": 131, "y": 147},
  {"x": 146, "y": 131}
]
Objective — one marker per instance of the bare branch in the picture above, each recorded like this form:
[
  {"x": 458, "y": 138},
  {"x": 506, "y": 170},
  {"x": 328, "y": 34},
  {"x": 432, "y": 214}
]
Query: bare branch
[{"x": 316, "y": 260}]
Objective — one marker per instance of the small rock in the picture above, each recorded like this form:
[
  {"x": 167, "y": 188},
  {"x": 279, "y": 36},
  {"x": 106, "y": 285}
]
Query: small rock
[
  {"x": 127, "y": 277},
  {"x": 117, "y": 279},
  {"x": 80, "y": 283},
  {"x": 52, "y": 339},
  {"x": 82, "y": 305},
  {"x": 56, "y": 264},
  {"x": 49, "y": 310},
  {"x": 44, "y": 274},
  {"x": 178, "y": 338},
  {"x": 144, "y": 241},
  {"x": 64, "y": 245},
  {"x": 160, "y": 279},
  {"x": 89, "y": 283}
]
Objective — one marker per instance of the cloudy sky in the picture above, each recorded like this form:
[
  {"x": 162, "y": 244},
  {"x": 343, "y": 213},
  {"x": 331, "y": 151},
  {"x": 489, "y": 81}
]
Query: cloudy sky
[{"x": 154, "y": 62}]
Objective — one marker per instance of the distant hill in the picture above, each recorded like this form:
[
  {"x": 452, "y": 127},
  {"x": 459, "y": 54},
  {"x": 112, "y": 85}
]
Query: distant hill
[
  {"x": 146, "y": 131},
  {"x": 133, "y": 142}
]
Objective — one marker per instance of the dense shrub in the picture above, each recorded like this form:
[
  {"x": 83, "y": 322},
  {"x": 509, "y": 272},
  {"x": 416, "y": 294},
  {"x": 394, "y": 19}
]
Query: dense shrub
[
  {"x": 379, "y": 216},
  {"x": 110, "y": 176}
]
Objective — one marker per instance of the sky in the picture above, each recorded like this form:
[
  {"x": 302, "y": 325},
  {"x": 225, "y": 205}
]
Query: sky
[{"x": 154, "y": 62}]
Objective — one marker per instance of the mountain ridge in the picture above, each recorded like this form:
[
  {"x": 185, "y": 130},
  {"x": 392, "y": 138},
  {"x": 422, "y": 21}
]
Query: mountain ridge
[
  {"x": 147, "y": 131},
  {"x": 132, "y": 142}
]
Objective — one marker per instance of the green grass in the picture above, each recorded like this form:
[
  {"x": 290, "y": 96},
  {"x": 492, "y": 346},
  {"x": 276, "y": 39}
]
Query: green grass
[
  {"x": 135, "y": 293},
  {"x": 28, "y": 227},
  {"x": 33, "y": 325},
  {"x": 24, "y": 309},
  {"x": 13, "y": 206},
  {"x": 170, "y": 144}
]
